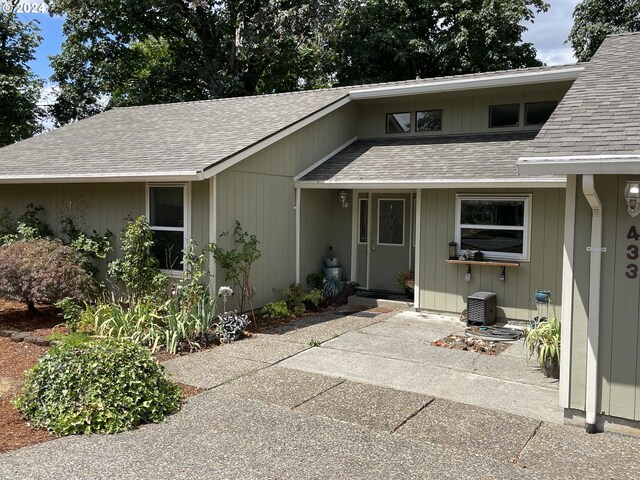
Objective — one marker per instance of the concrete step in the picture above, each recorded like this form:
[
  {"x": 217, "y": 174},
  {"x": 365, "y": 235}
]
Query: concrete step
[{"x": 358, "y": 301}]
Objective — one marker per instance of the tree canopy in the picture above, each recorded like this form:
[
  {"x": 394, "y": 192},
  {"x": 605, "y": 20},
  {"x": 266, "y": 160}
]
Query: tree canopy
[
  {"x": 133, "y": 52},
  {"x": 595, "y": 19},
  {"x": 19, "y": 87}
]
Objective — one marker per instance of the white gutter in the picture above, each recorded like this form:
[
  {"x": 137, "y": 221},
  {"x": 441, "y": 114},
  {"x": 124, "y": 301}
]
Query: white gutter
[
  {"x": 431, "y": 183},
  {"x": 593, "y": 323},
  {"x": 188, "y": 176},
  {"x": 454, "y": 85},
  {"x": 579, "y": 164}
]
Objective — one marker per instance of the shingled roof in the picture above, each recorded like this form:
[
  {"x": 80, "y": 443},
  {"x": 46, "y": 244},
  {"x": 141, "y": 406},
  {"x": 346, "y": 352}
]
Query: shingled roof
[
  {"x": 446, "y": 159},
  {"x": 600, "y": 115},
  {"x": 185, "y": 139}
]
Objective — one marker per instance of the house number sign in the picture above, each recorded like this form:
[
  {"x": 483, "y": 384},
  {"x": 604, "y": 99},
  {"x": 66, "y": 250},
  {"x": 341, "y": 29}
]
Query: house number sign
[{"x": 633, "y": 253}]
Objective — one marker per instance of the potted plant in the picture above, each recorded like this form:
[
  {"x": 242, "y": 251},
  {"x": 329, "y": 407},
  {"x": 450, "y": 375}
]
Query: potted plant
[
  {"x": 406, "y": 281},
  {"x": 544, "y": 341}
]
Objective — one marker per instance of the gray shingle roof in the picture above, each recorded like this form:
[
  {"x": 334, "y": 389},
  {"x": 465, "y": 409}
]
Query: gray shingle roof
[
  {"x": 178, "y": 139},
  {"x": 600, "y": 114},
  {"x": 450, "y": 158}
]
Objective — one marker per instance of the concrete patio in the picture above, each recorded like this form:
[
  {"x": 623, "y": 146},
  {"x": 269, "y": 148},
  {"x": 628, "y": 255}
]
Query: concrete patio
[{"x": 277, "y": 408}]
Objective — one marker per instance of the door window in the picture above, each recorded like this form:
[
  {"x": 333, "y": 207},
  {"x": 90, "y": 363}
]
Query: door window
[{"x": 391, "y": 222}]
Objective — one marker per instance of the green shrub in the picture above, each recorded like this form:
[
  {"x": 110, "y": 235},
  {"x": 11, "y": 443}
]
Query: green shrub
[
  {"x": 295, "y": 297},
  {"x": 31, "y": 226},
  {"x": 333, "y": 288},
  {"x": 314, "y": 298},
  {"x": 276, "y": 310},
  {"x": 43, "y": 271},
  {"x": 315, "y": 280},
  {"x": 104, "y": 386}
]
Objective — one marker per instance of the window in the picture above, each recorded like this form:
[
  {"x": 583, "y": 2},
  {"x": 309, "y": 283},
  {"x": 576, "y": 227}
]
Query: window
[
  {"x": 538, "y": 113},
  {"x": 504, "y": 115},
  {"x": 497, "y": 226},
  {"x": 399, "y": 122},
  {"x": 429, "y": 121},
  {"x": 363, "y": 235},
  {"x": 391, "y": 222},
  {"x": 167, "y": 214}
]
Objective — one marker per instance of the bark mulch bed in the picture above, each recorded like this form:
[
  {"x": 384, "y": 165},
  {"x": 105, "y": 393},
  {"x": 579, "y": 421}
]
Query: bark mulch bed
[{"x": 462, "y": 342}]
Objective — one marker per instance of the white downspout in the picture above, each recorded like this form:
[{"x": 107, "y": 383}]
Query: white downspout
[
  {"x": 593, "y": 323},
  {"x": 298, "y": 233}
]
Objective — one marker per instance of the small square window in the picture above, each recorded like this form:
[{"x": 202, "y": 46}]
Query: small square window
[
  {"x": 429, "y": 121},
  {"x": 399, "y": 122},
  {"x": 537, "y": 113},
  {"x": 504, "y": 115}
]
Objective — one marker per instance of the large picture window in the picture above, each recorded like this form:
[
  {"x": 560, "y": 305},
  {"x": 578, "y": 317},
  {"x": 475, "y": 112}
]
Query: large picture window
[
  {"x": 497, "y": 226},
  {"x": 167, "y": 214}
]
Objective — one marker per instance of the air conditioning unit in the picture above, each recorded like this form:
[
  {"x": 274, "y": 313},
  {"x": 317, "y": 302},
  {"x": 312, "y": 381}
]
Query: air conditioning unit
[{"x": 481, "y": 309}]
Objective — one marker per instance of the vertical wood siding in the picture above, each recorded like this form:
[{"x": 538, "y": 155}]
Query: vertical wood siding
[
  {"x": 619, "y": 344},
  {"x": 462, "y": 113},
  {"x": 443, "y": 287},
  {"x": 259, "y": 192}
]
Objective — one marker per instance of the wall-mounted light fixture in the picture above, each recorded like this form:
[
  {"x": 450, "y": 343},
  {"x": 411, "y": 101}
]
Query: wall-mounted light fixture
[
  {"x": 343, "y": 196},
  {"x": 632, "y": 198}
]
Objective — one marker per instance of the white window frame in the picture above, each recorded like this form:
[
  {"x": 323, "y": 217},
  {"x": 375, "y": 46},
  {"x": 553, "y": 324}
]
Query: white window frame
[
  {"x": 185, "y": 229},
  {"x": 404, "y": 206},
  {"x": 526, "y": 237},
  {"x": 360, "y": 202}
]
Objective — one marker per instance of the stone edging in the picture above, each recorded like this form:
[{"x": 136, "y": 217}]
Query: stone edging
[{"x": 21, "y": 336}]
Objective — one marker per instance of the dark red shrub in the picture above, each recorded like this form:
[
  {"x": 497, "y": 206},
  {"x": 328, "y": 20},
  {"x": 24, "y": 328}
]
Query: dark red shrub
[{"x": 43, "y": 271}]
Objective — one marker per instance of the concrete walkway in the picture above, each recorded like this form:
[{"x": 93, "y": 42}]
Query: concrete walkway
[{"x": 261, "y": 418}]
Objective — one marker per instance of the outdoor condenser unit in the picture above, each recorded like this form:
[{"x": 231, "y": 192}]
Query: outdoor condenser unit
[{"x": 481, "y": 309}]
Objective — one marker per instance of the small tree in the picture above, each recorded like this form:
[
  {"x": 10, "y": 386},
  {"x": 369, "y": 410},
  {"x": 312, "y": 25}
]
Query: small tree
[
  {"x": 237, "y": 262},
  {"x": 43, "y": 271},
  {"x": 137, "y": 268}
]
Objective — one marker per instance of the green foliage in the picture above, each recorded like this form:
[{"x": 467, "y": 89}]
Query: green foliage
[
  {"x": 276, "y": 310},
  {"x": 314, "y": 297},
  {"x": 71, "y": 312},
  {"x": 333, "y": 288},
  {"x": 544, "y": 341},
  {"x": 381, "y": 41},
  {"x": 237, "y": 262},
  {"x": 315, "y": 280},
  {"x": 97, "y": 245},
  {"x": 97, "y": 387},
  {"x": 186, "y": 51},
  {"x": 43, "y": 271},
  {"x": 405, "y": 279},
  {"x": 137, "y": 268},
  {"x": 19, "y": 87},
  {"x": 295, "y": 298},
  {"x": 31, "y": 226},
  {"x": 314, "y": 343},
  {"x": 593, "y": 20}
]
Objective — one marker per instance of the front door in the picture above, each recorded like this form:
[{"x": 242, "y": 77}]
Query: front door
[{"x": 390, "y": 239}]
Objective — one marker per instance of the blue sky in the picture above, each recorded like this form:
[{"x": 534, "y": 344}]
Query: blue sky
[{"x": 548, "y": 35}]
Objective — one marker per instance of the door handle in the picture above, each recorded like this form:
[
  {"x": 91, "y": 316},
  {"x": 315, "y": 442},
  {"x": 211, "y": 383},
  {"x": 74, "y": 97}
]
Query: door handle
[{"x": 373, "y": 248}]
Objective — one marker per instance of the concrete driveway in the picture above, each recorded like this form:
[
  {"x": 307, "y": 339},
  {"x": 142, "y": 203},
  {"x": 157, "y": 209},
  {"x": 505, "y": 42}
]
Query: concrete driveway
[{"x": 276, "y": 408}]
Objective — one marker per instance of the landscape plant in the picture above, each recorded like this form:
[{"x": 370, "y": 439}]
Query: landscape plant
[
  {"x": 275, "y": 310},
  {"x": 332, "y": 288},
  {"x": 237, "y": 262},
  {"x": 543, "y": 340},
  {"x": 104, "y": 386},
  {"x": 43, "y": 271}
]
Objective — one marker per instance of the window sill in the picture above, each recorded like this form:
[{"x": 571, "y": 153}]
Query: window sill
[{"x": 488, "y": 263}]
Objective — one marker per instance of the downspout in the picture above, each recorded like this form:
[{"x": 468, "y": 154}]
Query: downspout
[
  {"x": 593, "y": 323},
  {"x": 298, "y": 233}
]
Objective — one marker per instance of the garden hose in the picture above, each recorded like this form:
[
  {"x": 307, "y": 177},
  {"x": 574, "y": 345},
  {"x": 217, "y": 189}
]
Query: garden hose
[{"x": 494, "y": 334}]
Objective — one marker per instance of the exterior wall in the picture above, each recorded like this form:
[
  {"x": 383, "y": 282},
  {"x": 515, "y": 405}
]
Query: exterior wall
[
  {"x": 259, "y": 192},
  {"x": 442, "y": 285},
  {"x": 619, "y": 343},
  {"x": 99, "y": 206},
  {"x": 462, "y": 113}
]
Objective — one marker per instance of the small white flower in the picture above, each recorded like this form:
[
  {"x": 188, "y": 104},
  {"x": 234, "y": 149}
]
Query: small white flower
[{"x": 225, "y": 292}]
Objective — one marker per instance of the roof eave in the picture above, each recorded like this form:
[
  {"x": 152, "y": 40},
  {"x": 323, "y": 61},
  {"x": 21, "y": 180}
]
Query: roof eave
[
  {"x": 492, "y": 81},
  {"x": 127, "y": 177},
  {"x": 580, "y": 164},
  {"x": 434, "y": 183}
]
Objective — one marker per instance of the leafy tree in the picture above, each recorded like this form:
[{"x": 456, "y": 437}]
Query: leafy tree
[
  {"x": 389, "y": 40},
  {"x": 593, "y": 20},
  {"x": 19, "y": 87},
  {"x": 137, "y": 52}
]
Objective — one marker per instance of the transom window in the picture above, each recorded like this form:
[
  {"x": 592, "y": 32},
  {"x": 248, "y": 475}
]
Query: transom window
[
  {"x": 429, "y": 121},
  {"x": 497, "y": 226},
  {"x": 537, "y": 113},
  {"x": 399, "y": 122},
  {"x": 504, "y": 115},
  {"x": 167, "y": 214}
]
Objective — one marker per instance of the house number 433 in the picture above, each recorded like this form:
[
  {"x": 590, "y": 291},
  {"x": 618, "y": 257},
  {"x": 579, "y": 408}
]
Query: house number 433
[{"x": 633, "y": 253}]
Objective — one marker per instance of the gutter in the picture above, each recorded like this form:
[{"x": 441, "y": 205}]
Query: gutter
[
  {"x": 578, "y": 164},
  {"x": 593, "y": 323}
]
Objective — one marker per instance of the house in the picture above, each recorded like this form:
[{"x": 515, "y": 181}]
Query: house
[
  {"x": 388, "y": 175},
  {"x": 593, "y": 138}
]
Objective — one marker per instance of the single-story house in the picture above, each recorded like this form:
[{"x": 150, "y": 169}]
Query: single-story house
[{"x": 387, "y": 174}]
